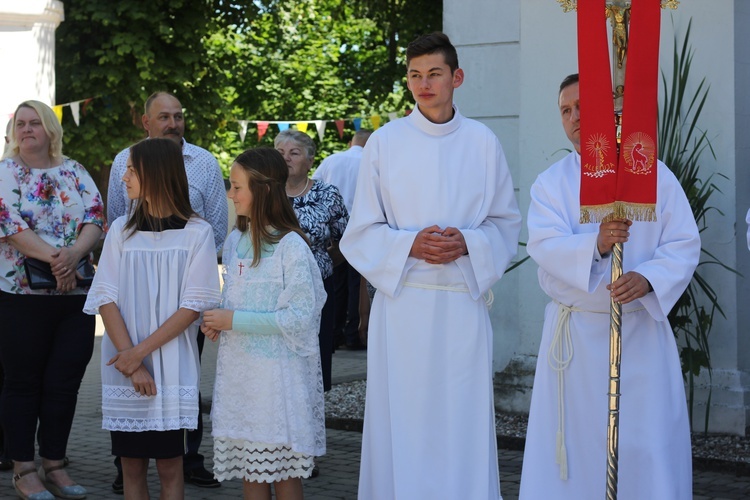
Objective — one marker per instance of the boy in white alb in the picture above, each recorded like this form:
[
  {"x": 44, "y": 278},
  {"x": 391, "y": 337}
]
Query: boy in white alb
[{"x": 433, "y": 226}]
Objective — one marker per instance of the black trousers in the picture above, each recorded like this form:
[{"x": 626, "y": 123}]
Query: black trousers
[
  {"x": 325, "y": 335},
  {"x": 346, "y": 291},
  {"x": 45, "y": 345}
]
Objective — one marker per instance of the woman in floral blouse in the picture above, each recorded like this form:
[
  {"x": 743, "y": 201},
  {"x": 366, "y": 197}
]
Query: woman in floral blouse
[
  {"x": 322, "y": 216},
  {"x": 50, "y": 210}
]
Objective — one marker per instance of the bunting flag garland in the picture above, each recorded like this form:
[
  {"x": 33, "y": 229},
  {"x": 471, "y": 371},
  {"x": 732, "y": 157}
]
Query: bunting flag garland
[
  {"x": 340, "y": 127},
  {"x": 302, "y": 126},
  {"x": 85, "y": 104},
  {"x": 392, "y": 115},
  {"x": 262, "y": 127},
  {"x": 243, "y": 130},
  {"x": 357, "y": 124},
  {"x": 75, "y": 108},
  {"x": 622, "y": 186},
  {"x": 282, "y": 126},
  {"x": 58, "y": 112},
  {"x": 375, "y": 120},
  {"x": 320, "y": 126}
]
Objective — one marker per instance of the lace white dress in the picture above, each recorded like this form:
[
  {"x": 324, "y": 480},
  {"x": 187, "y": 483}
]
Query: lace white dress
[
  {"x": 150, "y": 275},
  {"x": 268, "y": 416}
]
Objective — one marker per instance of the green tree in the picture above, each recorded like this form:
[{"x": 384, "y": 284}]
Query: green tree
[{"x": 255, "y": 60}]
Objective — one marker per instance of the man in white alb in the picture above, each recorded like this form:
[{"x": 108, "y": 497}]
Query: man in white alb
[
  {"x": 566, "y": 442},
  {"x": 434, "y": 225}
]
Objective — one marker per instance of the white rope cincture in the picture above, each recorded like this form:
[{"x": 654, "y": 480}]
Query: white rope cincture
[
  {"x": 559, "y": 356},
  {"x": 489, "y": 297}
]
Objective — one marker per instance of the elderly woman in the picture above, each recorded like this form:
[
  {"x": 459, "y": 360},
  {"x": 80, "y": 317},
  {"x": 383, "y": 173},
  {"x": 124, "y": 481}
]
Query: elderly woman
[
  {"x": 322, "y": 216},
  {"x": 51, "y": 211}
]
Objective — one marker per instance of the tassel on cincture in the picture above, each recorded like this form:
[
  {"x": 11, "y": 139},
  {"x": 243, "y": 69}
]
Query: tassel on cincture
[
  {"x": 563, "y": 463},
  {"x": 561, "y": 456}
]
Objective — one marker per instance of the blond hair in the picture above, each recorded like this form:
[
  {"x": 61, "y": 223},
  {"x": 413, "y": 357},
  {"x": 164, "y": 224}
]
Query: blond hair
[{"x": 51, "y": 126}]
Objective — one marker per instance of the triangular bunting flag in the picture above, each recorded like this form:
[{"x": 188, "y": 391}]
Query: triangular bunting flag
[
  {"x": 407, "y": 112},
  {"x": 86, "y": 103},
  {"x": 58, "y": 112},
  {"x": 75, "y": 108},
  {"x": 302, "y": 126},
  {"x": 320, "y": 125},
  {"x": 282, "y": 126},
  {"x": 340, "y": 127},
  {"x": 357, "y": 123},
  {"x": 375, "y": 120},
  {"x": 243, "y": 130},
  {"x": 392, "y": 115},
  {"x": 262, "y": 127}
]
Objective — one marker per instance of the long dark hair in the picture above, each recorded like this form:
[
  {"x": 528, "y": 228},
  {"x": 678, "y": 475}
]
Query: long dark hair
[
  {"x": 271, "y": 213},
  {"x": 160, "y": 168}
]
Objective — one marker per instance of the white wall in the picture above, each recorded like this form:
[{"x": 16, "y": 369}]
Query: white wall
[
  {"x": 27, "y": 50},
  {"x": 515, "y": 53}
]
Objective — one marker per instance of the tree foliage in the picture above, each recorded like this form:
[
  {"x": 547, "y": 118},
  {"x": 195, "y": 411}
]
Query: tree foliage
[{"x": 230, "y": 60}]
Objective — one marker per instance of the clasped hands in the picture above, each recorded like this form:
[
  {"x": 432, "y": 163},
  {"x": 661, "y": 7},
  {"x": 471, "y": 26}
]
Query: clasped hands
[
  {"x": 631, "y": 285},
  {"x": 216, "y": 320},
  {"x": 438, "y": 246},
  {"x": 129, "y": 362},
  {"x": 64, "y": 263}
]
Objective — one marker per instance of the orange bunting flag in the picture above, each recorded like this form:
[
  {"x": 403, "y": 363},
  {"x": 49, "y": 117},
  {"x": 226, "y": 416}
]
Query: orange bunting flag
[{"x": 620, "y": 184}]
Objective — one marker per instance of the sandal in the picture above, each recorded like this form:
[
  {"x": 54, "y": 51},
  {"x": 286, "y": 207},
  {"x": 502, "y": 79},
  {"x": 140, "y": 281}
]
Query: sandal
[
  {"x": 72, "y": 492},
  {"x": 41, "y": 495}
]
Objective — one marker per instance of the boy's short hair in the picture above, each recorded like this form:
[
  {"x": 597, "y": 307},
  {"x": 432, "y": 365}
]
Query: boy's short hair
[{"x": 433, "y": 43}]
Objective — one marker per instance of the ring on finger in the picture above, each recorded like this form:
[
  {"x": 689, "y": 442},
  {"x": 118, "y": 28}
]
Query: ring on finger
[{"x": 611, "y": 233}]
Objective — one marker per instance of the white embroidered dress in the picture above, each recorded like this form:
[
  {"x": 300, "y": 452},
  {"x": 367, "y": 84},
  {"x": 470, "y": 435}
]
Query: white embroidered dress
[
  {"x": 268, "y": 412},
  {"x": 150, "y": 275}
]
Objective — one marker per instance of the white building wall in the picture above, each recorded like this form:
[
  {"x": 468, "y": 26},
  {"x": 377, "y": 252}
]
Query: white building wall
[
  {"x": 27, "y": 50},
  {"x": 515, "y": 53}
]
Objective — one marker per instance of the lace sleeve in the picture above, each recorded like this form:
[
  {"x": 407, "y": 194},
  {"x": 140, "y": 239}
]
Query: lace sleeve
[{"x": 301, "y": 301}]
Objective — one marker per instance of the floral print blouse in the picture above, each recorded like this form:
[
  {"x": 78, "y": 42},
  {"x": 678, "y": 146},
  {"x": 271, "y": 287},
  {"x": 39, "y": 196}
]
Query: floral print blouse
[
  {"x": 53, "y": 202},
  {"x": 323, "y": 217}
]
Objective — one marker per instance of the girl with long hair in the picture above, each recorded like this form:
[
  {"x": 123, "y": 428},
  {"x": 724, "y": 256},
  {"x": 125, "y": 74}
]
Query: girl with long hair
[
  {"x": 156, "y": 274},
  {"x": 267, "y": 413}
]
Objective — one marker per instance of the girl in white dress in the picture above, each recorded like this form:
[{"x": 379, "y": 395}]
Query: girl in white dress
[
  {"x": 156, "y": 274},
  {"x": 267, "y": 414}
]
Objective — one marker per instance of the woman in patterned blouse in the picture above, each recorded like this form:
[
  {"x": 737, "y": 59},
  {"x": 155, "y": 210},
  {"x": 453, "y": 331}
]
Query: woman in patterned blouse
[
  {"x": 322, "y": 216},
  {"x": 50, "y": 210}
]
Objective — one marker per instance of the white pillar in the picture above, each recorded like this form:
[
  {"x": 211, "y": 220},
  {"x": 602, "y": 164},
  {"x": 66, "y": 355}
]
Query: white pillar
[{"x": 27, "y": 50}]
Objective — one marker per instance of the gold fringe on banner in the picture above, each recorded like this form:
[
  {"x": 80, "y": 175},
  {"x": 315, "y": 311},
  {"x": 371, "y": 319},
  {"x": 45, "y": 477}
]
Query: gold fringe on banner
[{"x": 642, "y": 212}]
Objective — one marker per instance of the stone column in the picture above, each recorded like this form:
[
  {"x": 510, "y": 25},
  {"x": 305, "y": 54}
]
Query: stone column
[{"x": 27, "y": 49}]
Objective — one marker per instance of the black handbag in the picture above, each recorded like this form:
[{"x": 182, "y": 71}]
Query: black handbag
[{"x": 39, "y": 273}]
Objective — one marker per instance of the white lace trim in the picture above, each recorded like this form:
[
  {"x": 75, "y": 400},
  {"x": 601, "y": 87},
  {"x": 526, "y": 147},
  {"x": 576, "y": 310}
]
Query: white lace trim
[
  {"x": 258, "y": 462},
  {"x": 149, "y": 424}
]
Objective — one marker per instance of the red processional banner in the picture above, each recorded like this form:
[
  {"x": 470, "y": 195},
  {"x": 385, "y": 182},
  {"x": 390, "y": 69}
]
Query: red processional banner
[{"x": 618, "y": 185}]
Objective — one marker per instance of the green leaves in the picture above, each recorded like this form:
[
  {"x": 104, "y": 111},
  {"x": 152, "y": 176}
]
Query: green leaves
[{"x": 681, "y": 146}]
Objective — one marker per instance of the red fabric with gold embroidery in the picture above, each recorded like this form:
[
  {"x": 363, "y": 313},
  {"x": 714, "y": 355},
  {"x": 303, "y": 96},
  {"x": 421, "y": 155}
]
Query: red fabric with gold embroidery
[{"x": 624, "y": 186}]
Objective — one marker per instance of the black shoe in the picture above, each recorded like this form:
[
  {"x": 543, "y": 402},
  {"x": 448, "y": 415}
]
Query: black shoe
[
  {"x": 315, "y": 472},
  {"x": 117, "y": 485},
  {"x": 6, "y": 464},
  {"x": 202, "y": 478}
]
